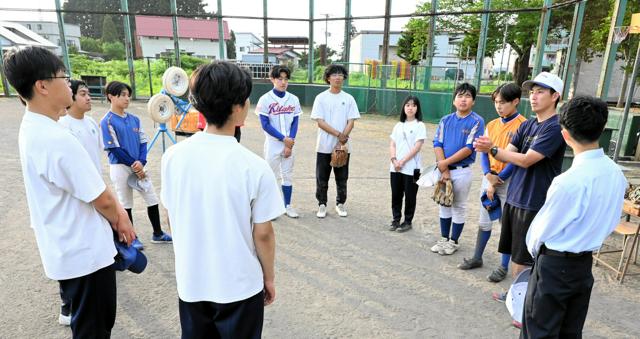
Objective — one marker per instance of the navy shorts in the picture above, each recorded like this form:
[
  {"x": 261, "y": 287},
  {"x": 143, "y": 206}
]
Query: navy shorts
[{"x": 515, "y": 225}]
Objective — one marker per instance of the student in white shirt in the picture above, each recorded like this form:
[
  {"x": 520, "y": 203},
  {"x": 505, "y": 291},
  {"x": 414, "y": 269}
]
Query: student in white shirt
[
  {"x": 221, "y": 199},
  {"x": 86, "y": 130},
  {"x": 582, "y": 208},
  {"x": 335, "y": 111},
  {"x": 407, "y": 139},
  {"x": 72, "y": 210}
]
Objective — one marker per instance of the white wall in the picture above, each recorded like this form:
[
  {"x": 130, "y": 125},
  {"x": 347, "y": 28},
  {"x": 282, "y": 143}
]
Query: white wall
[
  {"x": 152, "y": 47},
  {"x": 50, "y": 31},
  {"x": 247, "y": 42}
]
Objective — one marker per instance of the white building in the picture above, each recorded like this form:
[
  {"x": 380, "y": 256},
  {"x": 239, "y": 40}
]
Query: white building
[
  {"x": 154, "y": 37},
  {"x": 16, "y": 35},
  {"x": 245, "y": 43},
  {"x": 367, "y": 45},
  {"x": 50, "y": 31}
]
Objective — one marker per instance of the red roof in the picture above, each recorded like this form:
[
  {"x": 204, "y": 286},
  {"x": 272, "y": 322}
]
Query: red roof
[{"x": 158, "y": 26}]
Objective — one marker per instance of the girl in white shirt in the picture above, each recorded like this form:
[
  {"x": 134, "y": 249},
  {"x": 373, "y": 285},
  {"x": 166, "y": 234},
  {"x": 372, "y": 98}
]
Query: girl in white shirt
[{"x": 406, "y": 140}]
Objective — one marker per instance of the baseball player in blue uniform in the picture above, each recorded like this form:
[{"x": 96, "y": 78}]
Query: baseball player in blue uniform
[
  {"x": 126, "y": 143},
  {"x": 279, "y": 112}
]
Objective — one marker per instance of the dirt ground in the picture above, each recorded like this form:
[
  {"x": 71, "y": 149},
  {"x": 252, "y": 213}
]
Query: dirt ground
[{"x": 335, "y": 278}]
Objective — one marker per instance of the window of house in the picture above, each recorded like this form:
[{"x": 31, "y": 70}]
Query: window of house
[
  {"x": 39, "y": 27},
  {"x": 29, "y": 26},
  {"x": 241, "y": 49}
]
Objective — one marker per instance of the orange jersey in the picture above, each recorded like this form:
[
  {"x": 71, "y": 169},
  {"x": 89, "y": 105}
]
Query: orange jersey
[{"x": 500, "y": 134}]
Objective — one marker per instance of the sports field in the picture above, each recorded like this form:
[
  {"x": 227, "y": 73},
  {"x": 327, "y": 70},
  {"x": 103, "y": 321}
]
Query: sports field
[{"x": 335, "y": 278}]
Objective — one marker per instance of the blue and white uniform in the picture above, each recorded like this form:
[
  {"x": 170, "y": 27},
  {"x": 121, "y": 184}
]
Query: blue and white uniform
[
  {"x": 125, "y": 142},
  {"x": 453, "y": 134},
  {"x": 279, "y": 113}
]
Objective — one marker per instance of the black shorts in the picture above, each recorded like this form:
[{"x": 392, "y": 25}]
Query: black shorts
[{"x": 515, "y": 224}]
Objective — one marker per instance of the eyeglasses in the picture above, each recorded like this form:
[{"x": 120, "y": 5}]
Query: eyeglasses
[
  {"x": 67, "y": 78},
  {"x": 337, "y": 75}
]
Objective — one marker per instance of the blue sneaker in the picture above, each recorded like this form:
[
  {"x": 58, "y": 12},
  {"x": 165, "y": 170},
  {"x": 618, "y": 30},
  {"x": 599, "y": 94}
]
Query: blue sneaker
[
  {"x": 137, "y": 244},
  {"x": 162, "y": 239}
]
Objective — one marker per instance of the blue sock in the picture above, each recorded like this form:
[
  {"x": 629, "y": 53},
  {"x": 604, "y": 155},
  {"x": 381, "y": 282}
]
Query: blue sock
[
  {"x": 481, "y": 243},
  {"x": 505, "y": 261},
  {"x": 445, "y": 227},
  {"x": 286, "y": 192},
  {"x": 457, "y": 230}
]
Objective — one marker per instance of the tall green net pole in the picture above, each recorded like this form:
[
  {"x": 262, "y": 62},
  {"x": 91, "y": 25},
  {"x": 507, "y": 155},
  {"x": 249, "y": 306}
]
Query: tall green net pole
[
  {"x": 265, "y": 22},
  {"x": 63, "y": 38},
  {"x": 611, "y": 49},
  {"x": 570, "y": 63},
  {"x": 482, "y": 45},
  {"x": 429, "y": 56},
  {"x": 220, "y": 31},
  {"x": 124, "y": 6},
  {"x": 174, "y": 22},
  {"x": 542, "y": 37},
  {"x": 311, "y": 56}
]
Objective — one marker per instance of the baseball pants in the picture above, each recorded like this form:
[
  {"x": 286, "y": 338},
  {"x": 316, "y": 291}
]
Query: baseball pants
[
  {"x": 119, "y": 174},
  {"x": 461, "y": 180}
]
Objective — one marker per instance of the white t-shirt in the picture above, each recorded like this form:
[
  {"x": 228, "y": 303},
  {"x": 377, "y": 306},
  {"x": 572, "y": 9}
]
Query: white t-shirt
[
  {"x": 405, "y": 134},
  {"x": 86, "y": 130},
  {"x": 74, "y": 240},
  {"x": 336, "y": 110},
  {"x": 280, "y": 112},
  {"x": 215, "y": 190}
]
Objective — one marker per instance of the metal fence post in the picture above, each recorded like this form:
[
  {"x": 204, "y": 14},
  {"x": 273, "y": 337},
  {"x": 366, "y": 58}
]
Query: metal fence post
[
  {"x": 221, "y": 42},
  {"x": 124, "y": 4},
  {"x": 432, "y": 28},
  {"x": 310, "y": 55},
  {"x": 570, "y": 62},
  {"x": 174, "y": 21},
  {"x": 484, "y": 28},
  {"x": 63, "y": 38},
  {"x": 542, "y": 37},
  {"x": 602, "y": 92}
]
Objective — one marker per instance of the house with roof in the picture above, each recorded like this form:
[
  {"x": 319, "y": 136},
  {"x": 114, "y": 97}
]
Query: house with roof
[
  {"x": 197, "y": 37},
  {"x": 276, "y": 55},
  {"x": 50, "y": 31},
  {"x": 16, "y": 35},
  {"x": 245, "y": 43}
]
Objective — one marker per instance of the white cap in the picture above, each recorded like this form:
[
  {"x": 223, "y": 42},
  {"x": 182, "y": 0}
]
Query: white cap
[{"x": 546, "y": 80}]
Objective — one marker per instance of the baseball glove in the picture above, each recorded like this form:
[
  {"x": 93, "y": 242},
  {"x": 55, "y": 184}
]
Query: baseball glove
[
  {"x": 339, "y": 156},
  {"x": 443, "y": 193}
]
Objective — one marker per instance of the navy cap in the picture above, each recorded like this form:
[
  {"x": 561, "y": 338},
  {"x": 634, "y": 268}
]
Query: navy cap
[
  {"x": 492, "y": 206},
  {"x": 129, "y": 258}
]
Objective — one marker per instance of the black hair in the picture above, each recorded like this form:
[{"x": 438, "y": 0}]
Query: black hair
[
  {"x": 335, "y": 69},
  {"x": 115, "y": 88},
  {"x": 465, "y": 87},
  {"x": 75, "y": 85},
  {"x": 277, "y": 69},
  {"x": 508, "y": 92},
  {"x": 216, "y": 87},
  {"x": 23, "y": 67},
  {"x": 416, "y": 101},
  {"x": 584, "y": 117}
]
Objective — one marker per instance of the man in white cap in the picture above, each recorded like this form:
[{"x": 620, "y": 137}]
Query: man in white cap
[{"x": 536, "y": 150}]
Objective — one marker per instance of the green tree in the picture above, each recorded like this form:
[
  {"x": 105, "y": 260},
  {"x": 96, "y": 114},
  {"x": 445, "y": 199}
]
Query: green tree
[
  {"x": 113, "y": 50},
  {"x": 231, "y": 46},
  {"x": 109, "y": 31},
  {"x": 414, "y": 39},
  {"x": 88, "y": 44}
]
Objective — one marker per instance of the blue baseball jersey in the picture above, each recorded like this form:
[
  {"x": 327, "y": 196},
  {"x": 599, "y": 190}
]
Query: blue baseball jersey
[
  {"x": 454, "y": 133},
  {"x": 124, "y": 132}
]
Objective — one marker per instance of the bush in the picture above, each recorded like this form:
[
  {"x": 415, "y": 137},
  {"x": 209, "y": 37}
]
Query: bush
[
  {"x": 113, "y": 50},
  {"x": 88, "y": 44}
]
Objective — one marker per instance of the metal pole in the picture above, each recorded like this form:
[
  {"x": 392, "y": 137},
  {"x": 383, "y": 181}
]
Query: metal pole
[
  {"x": 482, "y": 44},
  {"x": 504, "y": 46},
  {"x": 508, "y": 61},
  {"x": 124, "y": 6},
  {"x": 429, "y": 56},
  {"x": 385, "y": 37},
  {"x": 310, "y": 56},
  {"x": 150, "y": 80},
  {"x": 221, "y": 42},
  {"x": 542, "y": 37},
  {"x": 265, "y": 54},
  {"x": 627, "y": 104},
  {"x": 610, "y": 51},
  {"x": 174, "y": 21},
  {"x": 326, "y": 33},
  {"x": 5, "y": 83},
  {"x": 63, "y": 38},
  {"x": 570, "y": 62},
  {"x": 347, "y": 31}
]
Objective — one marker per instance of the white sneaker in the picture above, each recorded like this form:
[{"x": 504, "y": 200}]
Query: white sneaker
[
  {"x": 64, "y": 319},
  {"x": 322, "y": 211},
  {"x": 341, "y": 210},
  {"x": 439, "y": 245},
  {"x": 449, "y": 248},
  {"x": 291, "y": 213}
]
